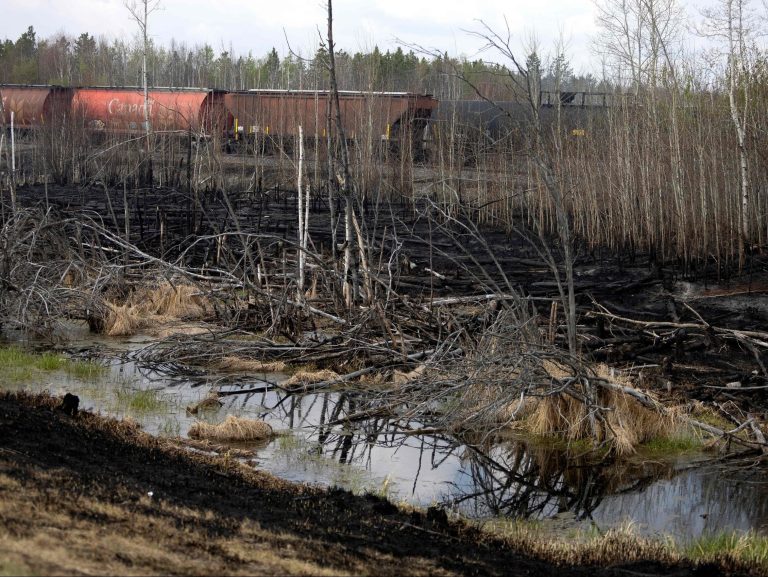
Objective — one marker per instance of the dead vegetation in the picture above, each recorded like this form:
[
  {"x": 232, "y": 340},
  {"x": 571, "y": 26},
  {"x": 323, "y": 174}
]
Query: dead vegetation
[
  {"x": 303, "y": 378},
  {"x": 232, "y": 429},
  {"x": 625, "y": 426},
  {"x": 481, "y": 362},
  {"x": 152, "y": 308},
  {"x": 239, "y": 364},
  {"x": 211, "y": 402}
]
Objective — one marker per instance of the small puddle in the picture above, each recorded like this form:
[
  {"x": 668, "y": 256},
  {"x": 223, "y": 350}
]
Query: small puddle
[{"x": 514, "y": 478}]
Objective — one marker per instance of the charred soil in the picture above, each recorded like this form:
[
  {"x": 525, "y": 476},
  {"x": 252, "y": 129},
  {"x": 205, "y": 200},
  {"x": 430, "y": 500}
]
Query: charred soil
[{"x": 83, "y": 494}]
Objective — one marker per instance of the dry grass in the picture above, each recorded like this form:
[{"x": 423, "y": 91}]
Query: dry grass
[
  {"x": 232, "y": 429},
  {"x": 86, "y": 535},
  {"x": 239, "y": 364},
  {"x": 719, "y": 554},
  {"x": 211, "y": 402},
  {"x": 623, "y": 426},
  {"x": 172, "y": 329},
  {"x": 402, "y": 377},
  {"x": 153, "y": 307},
  {"x": 483, "y": 407},
  {"x": 620, "y": 545},
  {"x": 180, "y": 301},
  {"x": 309, "y": 377}
]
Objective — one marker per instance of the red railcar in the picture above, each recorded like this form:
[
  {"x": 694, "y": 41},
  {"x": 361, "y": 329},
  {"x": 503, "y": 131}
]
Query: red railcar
[
  {"x": 121, "y": 110},
  {"x": 394, "y": 117},
  {"x": 34, "y": 105}
]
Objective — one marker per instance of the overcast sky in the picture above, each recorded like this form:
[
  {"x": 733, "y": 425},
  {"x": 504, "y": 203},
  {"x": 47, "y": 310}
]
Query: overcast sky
[{"x": 258, "y": 25}]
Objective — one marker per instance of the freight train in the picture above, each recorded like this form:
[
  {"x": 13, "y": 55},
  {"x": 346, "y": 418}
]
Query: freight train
[
  {"x": 241, "y": 118},
  {"x": 265, "y": 119}
]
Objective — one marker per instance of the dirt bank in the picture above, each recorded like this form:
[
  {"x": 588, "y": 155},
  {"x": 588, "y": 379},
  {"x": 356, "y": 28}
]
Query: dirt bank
[{"x": 85, "y": 494}]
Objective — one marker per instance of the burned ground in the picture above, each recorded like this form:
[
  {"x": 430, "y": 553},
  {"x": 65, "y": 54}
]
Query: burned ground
[
  {"x": 89, "y": 494},
  {"x": 634, "y": 309},
  {"x": 695, "y": 330}
]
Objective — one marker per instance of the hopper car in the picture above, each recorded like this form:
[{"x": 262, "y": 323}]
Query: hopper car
[
  {"x": 240, "y": 119},
  {"x": 472, "y": 128},
  {"x": 121, "y": 110},
  {"x": 30, "y": 106},
  {"x": 410, "y": 123},
  {"x": 395, "y": 119},
  {"x": 115, "y": 110}
]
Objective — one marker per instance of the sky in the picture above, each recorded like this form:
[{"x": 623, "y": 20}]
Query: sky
[{"x": 258, "y": 25}]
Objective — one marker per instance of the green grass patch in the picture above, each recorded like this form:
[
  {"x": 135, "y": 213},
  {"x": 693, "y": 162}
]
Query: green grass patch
[
  {"x": 50, "y": 362},
  {"x": 11, "y": 357},
  {"x": 18, "y": 365},
  {"x": 140, "y": 401},
  {"x": 86, "y": 370},
  {"x": 671, "y": 446},
  {"x": 741, "y": 550},
  {"x": 16, "y": 358}
]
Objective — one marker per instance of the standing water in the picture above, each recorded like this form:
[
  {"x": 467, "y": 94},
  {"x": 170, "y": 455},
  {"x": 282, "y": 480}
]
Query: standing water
[{"x": 515, "y": 478}]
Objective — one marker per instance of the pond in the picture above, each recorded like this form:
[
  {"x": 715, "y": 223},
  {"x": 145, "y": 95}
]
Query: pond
[{"x": 513, "y": 477}]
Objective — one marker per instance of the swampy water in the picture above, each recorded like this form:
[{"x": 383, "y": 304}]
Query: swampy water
[{"x": 510, "y": 478}]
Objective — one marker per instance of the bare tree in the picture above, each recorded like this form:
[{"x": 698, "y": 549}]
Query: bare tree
[
  {"x": 734, "y": 24},
  {"x": 526, "y": 79},
  {"x": 344, "y": 177},
  {"x": 634, "y": 35},
  {"x": 140, "y": 11}
]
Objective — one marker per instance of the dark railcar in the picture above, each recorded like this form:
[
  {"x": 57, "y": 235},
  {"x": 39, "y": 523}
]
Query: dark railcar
[
  {"x": 121, "y": 110},
  {"x": 476, "y": 127},
  {"x": 34, "y": 105},
  {"x": 396, "y": 118}
]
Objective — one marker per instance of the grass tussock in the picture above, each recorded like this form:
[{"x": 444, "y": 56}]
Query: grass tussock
[
  {"x": 232, "y": 429},
  {"x": 150, "y": 308},
  {"x": 623, "y": 425},
  {"x": 239, "y": 364},
  {"x": 209, "y": 403},
  {"x": 309, "y": 377}
]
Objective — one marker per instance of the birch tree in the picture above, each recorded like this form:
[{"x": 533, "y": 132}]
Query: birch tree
[
  {"x": 140, "y": 11},
  {"x": 344, "y": 177},
  {"x": 733, "y": 23},
  {"x": 633, "y": 35}
]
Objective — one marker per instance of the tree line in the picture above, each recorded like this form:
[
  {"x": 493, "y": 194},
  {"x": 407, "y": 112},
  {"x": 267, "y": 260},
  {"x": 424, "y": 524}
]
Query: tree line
[{"x": 89, "y": 61}]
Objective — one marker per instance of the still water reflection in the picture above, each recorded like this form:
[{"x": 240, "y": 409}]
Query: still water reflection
[{"x": 511, "y": 478}]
